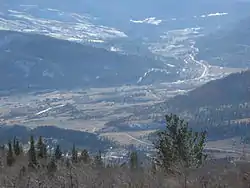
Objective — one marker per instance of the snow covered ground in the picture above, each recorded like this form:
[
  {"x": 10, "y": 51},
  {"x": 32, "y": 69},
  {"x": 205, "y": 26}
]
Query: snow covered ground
[
  {"x": 177, "y": 43},
  {"x": 151, "y": 20},
  {"x": 55, "y": 23}
]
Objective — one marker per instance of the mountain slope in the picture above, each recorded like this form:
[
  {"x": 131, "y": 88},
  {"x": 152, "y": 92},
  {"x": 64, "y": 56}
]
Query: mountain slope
[
  {"x": 227, "y": 47},
  {"x": 42, "y": 62},
  {"x": 54, "y": 135},
  {"x": 223, "y": 99},
  {"x": 233, "y": 89},
  {"x": 155, "y": 8}
]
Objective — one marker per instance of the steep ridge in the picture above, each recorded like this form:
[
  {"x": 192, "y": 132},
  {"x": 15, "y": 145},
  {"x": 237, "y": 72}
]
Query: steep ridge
[{"x": 233, "y": 89}]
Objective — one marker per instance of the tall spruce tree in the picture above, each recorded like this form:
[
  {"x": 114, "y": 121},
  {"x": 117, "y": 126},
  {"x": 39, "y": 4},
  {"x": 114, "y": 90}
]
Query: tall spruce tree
[
  {"x": 14, "y": 143},
  {"x": 98, "y": 159},
  {"x": 178, "y": 144},
  {"x": 45, "y": 152},
  {"x": 85, "y": 158},
  {"x": 74, "y": 154},
  {"x": 32, "y": 152},
  {"x": 58, "y": 152},
  {"x": 41, "y": 148},
  {"x": 133, "y": 160},
  {"x": 17, "y": 147},
  {"x": 10, "y": 156}
]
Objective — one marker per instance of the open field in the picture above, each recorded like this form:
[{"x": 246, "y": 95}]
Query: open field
[
  {"x": 89, "y": 109},
  {"x": 101, "y": 104}
]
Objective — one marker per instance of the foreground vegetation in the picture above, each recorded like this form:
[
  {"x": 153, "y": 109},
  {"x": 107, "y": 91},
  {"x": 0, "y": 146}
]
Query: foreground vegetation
[
  {"x": 89, "y": 175},
  {"x": 179, "y": 162}
]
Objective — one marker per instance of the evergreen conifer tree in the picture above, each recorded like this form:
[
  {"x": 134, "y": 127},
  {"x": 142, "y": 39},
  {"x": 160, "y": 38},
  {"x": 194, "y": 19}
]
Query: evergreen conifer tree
[
  {"x": 45, "y": 152},
  {"x": 41, "y": 148},
  {"x": 10, "y": 155},
  {"x": 17, "y": 147},
  {"x": 133, "y": 160},
  {"x": 74, "y": 154},
  {"x": 98, "y": 159},
  {"x": 32, "y": 152},
  {"x": 14, "y": 143},
  {"x": 179, "y": 145},
  {"x": 85, "y": 156},
  {"x": 58, "y": 153}
]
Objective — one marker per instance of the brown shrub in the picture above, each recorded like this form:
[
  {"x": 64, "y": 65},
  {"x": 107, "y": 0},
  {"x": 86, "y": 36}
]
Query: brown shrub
[{"x": 213, "y": 175}]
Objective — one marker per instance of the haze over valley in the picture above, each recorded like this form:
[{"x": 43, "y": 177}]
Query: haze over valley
[{"x": 115, "y": 70}]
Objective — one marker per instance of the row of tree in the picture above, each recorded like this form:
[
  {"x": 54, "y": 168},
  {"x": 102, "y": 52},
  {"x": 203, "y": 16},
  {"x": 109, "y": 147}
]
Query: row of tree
[{"x": 176, "y": 145}]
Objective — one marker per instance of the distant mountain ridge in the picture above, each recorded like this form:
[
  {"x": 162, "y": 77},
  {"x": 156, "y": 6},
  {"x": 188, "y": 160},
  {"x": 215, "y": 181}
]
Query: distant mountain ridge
[
  {"x": 41, "y": 62},
  {"x": 228, "y": 47},
  {"x": 64, "y": 137},
  {"x": 230, "y": 92},
  {"x": 233, "y": 89},
  {"x": 119, "y": 6}
]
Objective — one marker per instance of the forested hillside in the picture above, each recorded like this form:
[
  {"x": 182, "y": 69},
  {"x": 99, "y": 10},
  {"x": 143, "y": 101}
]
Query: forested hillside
[
  {"x": 231, "y": 90},
  {"x": 179, "y": 161},
  {"x": 34, "y": 61},
  {"x": 53, "y": 135},
  {"x": 227, "y": 47}
]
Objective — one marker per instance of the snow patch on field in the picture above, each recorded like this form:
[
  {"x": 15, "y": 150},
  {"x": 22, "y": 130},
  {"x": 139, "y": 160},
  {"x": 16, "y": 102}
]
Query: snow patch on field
[
  {"x": 151, "y": 20},
  {"x": 58, "y": 24}
]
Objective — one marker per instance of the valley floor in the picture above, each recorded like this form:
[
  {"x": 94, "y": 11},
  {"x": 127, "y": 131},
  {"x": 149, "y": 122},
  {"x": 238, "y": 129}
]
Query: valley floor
[{"x": 89, "y": 110}]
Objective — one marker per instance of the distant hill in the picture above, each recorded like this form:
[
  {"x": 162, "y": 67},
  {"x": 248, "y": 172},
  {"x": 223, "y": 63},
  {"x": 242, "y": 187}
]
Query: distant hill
[
  {"x": 52, "y": 134},
  {"x": 220, "y": 106},
  {"x": 41, "y": 62},
  {"x": 223, "y": 99},
  {"x": 140, "y": 7},
  {"x": 233, "y": 89},
  {"x": 228, "y": 47},
  {"x": 173, "y": 13}
]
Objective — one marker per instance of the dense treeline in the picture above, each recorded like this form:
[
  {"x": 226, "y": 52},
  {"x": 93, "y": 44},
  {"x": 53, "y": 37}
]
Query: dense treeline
[
  {"x": 179, "y": 162},
  {"x": 221, "y": 107},
  {"x": 231, "y": 90},
  {"x": 63, "y": 136},
  {"x": 220, "y": 104},
  {"x": 224, "y": 121}
]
